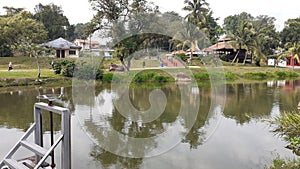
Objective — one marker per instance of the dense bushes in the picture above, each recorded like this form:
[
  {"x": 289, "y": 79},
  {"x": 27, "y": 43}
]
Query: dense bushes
[
  {"x": 286, "y": 74},
  {"x": 150, "y": 77},
  {"x": 287, "y": 125},
  {"x": 282, "y": 164},
  {"x": 215, "y": 76},
  {"x": 265, "y": 75},
  {"x": 80, "y": 70},
  {"x": 87, "y": 70},
  {"x": 257, "y": 75}
]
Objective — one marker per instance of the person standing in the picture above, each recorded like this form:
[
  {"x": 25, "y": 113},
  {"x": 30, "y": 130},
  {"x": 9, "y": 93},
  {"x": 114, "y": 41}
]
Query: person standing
[
  {"x": 10, "y": 66},
  {"x": 52, "y": 64}
]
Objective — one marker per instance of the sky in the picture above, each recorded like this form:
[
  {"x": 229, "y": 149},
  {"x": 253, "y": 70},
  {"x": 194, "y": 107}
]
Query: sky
[{"x": 79, "y": 11}]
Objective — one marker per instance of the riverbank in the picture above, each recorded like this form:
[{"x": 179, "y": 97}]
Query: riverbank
[
  {"x": 27, "y": 77},
  {"x": 25, "y": 73},
  {"x": 228, "y": 74}
]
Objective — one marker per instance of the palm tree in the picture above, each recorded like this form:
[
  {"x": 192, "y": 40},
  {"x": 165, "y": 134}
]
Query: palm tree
[
  {"x": 190, "y": 36},
  {"x": 198, "y": 10},
  {"x": 245, "y": 38}
]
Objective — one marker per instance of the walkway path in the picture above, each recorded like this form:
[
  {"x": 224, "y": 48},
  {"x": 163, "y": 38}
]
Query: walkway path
[{"x": 172, "y": 62}]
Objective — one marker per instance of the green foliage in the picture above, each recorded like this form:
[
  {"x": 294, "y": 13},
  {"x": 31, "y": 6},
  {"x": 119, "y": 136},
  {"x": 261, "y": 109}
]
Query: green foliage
[
  {"x": 230, "y": 76},
  {"x": 287, "y": 125},
  {"x": 214, "y": 75},
  {"x": 80, "y": 31},
  {"x": 108, "y": 77},
  {"x": 53, "y": 19},
  {"x": 257, "y": 35},
  {"x": 150, "y": 77},
  {"x": 20, "y": 33},
  {"x": 182, "y": 56},
  {"x": 231, "y": 22},
  {"x": 291, "y": 31},
  {"x": 68, "y": 69},
  {"x": 80, "y": 70},
  {"x": 281, "y": 74},
  {"x": 283, "y": 164},
  {"x": 88, "y": 72},
  {"x": 160, "y": 79},
  {"x": 12, "y": 11},
  {"x": 257, "y": 75},
  {"x": 202, "y": 76},
  {"x": 57, "y": 67},
  {"x": 5, "y": 51},
  {"x": 139, "y": 78}
]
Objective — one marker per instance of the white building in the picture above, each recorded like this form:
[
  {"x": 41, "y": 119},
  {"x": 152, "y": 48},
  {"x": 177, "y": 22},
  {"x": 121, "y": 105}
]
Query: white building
[
  {"x": 63, "y": 48},
  {"x": 280, "y": 63}
]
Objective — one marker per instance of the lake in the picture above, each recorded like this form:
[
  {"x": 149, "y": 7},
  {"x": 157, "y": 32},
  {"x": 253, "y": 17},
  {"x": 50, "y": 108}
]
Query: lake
[{"x": 226, "y": 131}]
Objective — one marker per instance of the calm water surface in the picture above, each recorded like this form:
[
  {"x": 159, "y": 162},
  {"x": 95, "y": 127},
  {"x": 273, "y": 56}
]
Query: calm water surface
[{"x": 229, "y": 136}]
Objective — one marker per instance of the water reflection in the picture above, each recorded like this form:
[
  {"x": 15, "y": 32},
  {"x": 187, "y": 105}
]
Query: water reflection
[
  {"x": 129, "y": 134},
  {"x": 215, "y": 139},
  {"x": 247, "y": 101}
]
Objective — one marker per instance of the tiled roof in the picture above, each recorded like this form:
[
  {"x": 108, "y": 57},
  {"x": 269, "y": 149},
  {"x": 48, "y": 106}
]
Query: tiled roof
[
  {"x": 219, "y": 46},
  {"x": 61, "y": 43},
  {"x": 86, "y": 41}
]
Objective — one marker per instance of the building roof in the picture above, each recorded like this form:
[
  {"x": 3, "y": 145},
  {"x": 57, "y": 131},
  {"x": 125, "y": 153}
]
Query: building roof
[
  {"x": 61, "y": 43},
  {"x": 86, "y": 41},
  {"x": 221, "y": 45}
]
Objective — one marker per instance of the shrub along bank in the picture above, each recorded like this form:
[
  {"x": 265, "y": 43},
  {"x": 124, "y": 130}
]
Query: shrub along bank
[{"x": 87, "y": 68}]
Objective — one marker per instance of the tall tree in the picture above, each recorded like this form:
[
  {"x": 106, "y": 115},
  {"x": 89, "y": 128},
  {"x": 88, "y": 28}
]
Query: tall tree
[
  {"x": 108, "y": 12},
  {"x": 255, "y": 35},
  {"x": 243, "y": 38},
  {"x": 201, "y": 16},
  {"x": 5, "y": 48},
  {"x": 22, "y": 30},
  {"x": 214, "y": 29},
  {"x": 123, "y": 20},
  {"x": 80, "y": 31},
  {"x": 198, "y": 9},
  {"x": 24, "y": 33},
  {"x": 231, "y": 22},
  {"x": 55, "y": 22},
  {"x": 268, "y": 37},
  {"x": 291, "y": 31},
  {"x": 12, "y": 11},
  {"x": 192, "y": 37}
]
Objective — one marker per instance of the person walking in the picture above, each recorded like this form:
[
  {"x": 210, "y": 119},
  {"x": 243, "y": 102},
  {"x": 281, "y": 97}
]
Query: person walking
[{"x": 10, "y": 66}]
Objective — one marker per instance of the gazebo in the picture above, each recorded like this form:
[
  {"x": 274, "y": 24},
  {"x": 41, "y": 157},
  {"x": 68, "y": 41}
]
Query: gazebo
[
  {"x": 63, "y": 48},
  {"x": 221, "y": 47}
]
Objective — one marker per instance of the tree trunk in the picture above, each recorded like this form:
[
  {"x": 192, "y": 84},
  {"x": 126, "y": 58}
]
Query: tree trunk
[
  {"x": 235, "y": 57},
  {"x": 124, "y": 65},
  {"x": 128, "y": 64},
  {"x": 244, "y": 62}
]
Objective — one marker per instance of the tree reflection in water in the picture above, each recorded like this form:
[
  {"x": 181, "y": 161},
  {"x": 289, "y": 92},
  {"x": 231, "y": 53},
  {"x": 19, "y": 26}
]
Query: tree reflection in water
[
  {"x": 244, "y": 103},
  {"x": 98, "y": 123}
]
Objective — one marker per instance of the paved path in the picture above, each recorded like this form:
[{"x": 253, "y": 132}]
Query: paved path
[{"x": 172, "y": 62}]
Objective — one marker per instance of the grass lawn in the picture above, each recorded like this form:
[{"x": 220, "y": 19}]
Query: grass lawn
[
  {"x": 25, "y": 67},
  {"x": 28, "y": 73}
]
